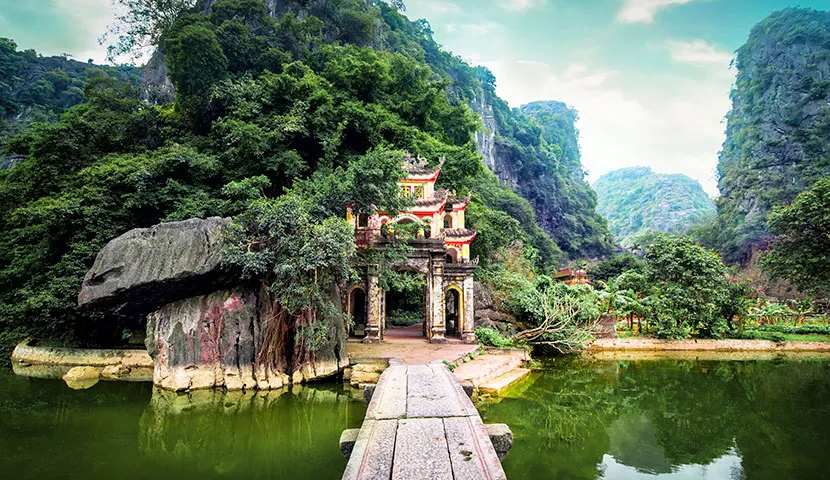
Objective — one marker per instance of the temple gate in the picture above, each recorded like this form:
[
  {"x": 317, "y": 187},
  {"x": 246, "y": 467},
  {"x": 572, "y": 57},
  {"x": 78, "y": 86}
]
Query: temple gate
[{"x": 441, "y": 252}]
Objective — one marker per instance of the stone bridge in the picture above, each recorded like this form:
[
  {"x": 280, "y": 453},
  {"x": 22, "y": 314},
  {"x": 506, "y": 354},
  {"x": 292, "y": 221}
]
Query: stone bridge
[{"x": 421, "y": 424}]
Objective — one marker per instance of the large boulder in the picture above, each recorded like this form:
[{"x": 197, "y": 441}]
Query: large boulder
[
  {"x": 146, "y": 268},
  {"x": 481, "y": 296},
  {"x": 215, "y": 340},
  {"x": 210, "y": 341},
  {"x": 204, "y": 330},
  {"x": 500, "y": 321}
]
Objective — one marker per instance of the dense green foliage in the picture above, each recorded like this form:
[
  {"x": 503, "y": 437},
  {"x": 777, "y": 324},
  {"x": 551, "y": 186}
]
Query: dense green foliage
[
  {"x": 39, "y": 89},
  {"x": 636, "y": 200},
  {"x": 614, "y": 266},
  {"x": 801, "y": 249},
  {"x": 492, "y": 338},
  {"x": 689, "y": 289},
  {"x": 303, "y": 248},
  {"x": 262, "y": 103},
  {"x": 679, "y": 289},
  {"x": 777, "y": 131}
]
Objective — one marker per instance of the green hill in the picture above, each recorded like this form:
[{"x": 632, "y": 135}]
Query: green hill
[
  {"x": 637, "y": 200},
  {"x": 34, "y": 88}
]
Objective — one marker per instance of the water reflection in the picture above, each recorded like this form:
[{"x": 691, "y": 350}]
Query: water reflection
[
  {"x": 669, "y": 419},
  {"x": 133, "y": 431},
  {"x": 269, "y": 434},
  {"x": 725, "y": 467}
]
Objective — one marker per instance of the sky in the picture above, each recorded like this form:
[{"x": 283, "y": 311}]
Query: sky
[{"x": 650, "y": 78}]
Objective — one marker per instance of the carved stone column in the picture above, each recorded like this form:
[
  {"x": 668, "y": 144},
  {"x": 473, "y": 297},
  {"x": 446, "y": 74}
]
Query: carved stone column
[
  {"x": 468, "y": 334},
  {"x": 374, "y": 296},
  {"x": 439, "y": 328}
]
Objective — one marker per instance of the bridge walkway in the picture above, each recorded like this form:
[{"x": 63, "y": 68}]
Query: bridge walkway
[{"x": 420, "y": 424}]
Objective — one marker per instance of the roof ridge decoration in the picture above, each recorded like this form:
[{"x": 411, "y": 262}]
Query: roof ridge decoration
[{"x": 418, "y": 165}]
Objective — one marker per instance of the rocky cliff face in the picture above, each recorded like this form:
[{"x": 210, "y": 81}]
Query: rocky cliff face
[
  {"x": 7, "y": 162},
  {"x": 777, "y": 132},
  {"x": 486, "y": 137},
  {"x": 534, "y": 149},
  {"x": 636, "y": 200}
]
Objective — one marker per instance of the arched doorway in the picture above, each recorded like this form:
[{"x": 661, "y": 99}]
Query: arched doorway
[
  {"x": 453, "y": 311},
  {"x": 405, "y": 304},
  {"x": 448, "y": 222},
  {"x": 452, "y": 255},
  {"x": 357, "y": 309}
]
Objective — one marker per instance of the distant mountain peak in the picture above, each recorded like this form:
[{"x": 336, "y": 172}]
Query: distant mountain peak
[{"x": 636, "y": 200}]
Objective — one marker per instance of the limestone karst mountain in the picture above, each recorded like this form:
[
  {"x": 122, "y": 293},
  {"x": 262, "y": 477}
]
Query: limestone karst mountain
[{"x": 637, "y": 200}]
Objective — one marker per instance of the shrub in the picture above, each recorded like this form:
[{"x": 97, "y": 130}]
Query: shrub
[
  {"x": 402, "y": 318},
  {"x": 492, "y": 338},
  {"x": 752, "y": 334},
  {"x": 690, "y": 284}
]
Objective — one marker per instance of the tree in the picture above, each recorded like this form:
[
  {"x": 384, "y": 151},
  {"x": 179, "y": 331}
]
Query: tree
[
  {"x": 196, "y": 59},
  {"x": 302, "y": 248},
  {"x": 801, "y": 250},
  {"x": 688, "y": 282},
  {"x": 140, "y": 25},
  {"x": 614, "y": 266}
]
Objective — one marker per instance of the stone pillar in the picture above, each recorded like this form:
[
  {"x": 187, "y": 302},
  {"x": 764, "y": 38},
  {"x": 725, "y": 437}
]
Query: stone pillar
[
  {"x": 374, "y": 295},
  {"x": 439, "y": 328},
  {"x": 469, "y": 322}
]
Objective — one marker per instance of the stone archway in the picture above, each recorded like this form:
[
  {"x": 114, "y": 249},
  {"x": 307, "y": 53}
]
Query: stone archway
[
  {"x": 405, "y": 310},
  {"x": 358, "y": 310},
  {"x": 454, "y": 311}
]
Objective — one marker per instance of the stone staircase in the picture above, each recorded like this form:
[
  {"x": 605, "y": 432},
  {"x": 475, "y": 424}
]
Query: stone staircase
[
  {"x": 493, "y": 372},
  {"x": 501, "y": 383}
]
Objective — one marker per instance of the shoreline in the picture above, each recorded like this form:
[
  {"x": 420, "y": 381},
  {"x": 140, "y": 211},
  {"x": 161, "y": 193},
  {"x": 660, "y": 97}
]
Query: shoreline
[{"x": 703, "y": 349}]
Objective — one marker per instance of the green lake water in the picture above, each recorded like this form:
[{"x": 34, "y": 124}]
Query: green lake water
[
  {"x": 586, "y": 419},
  {"x": 574, "y": 419},
  {"x": 120, "y": 430}
]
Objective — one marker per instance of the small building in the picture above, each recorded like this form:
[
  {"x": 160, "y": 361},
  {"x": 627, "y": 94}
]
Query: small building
[
  {"x": 573, "y": 277},
  {"x": 441, "y": 252}
]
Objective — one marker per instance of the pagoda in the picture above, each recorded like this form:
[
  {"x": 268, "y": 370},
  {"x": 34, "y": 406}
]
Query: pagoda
[{"x": 441, "y": 252}]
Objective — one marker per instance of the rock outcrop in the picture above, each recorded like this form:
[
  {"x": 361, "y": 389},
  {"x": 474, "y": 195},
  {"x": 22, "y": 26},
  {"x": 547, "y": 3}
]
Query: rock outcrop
[
  {"x": 148, "y": 267},
  {"x": 488, "y": 316},
  {"x": 776, "y": 133},
  {"x": 204, "y": 329},
  {"x": 7, "y": 162},
  {"x": 210, "y": 341}
]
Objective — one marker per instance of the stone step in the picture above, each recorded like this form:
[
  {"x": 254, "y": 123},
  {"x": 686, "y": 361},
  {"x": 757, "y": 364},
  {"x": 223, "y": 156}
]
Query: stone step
[
  {"x": 510, "y": 364},
  {"x": 487, "y": 367},
  {"x": 501, "y": 383}
]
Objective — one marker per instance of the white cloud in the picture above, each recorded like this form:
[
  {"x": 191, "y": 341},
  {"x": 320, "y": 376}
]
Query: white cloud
[
  {"x": 643, "y": 11},
  {"x": 90, "y": 18},
  {"x": 439, "y": 8},
  {"x": 481, "y": 28},
  {"x": 670, "y": 123},
  {"x": 698, "y": 52},
  {"x": 521, "y": 5}
]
